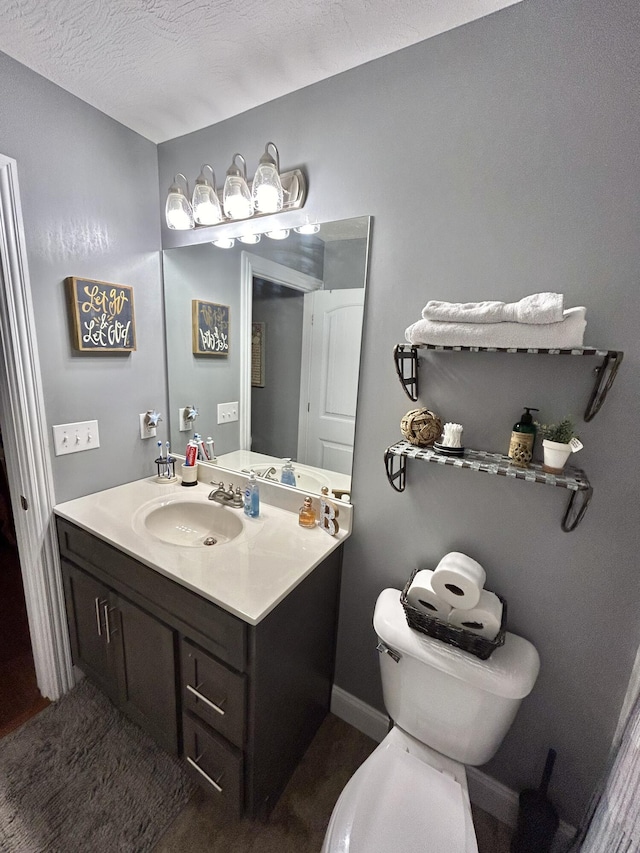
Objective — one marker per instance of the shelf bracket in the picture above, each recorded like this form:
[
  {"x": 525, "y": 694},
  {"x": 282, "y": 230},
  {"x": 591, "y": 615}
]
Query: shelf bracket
[
  {"x": 605, "y": 376},
  {"x": 574, "y": 515},
  {"x": 396, "y": 467},
  {"x": 406, "y": 360}
]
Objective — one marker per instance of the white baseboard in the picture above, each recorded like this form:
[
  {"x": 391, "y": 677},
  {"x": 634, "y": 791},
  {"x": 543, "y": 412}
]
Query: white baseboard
[{"x": 485, "y": 792}]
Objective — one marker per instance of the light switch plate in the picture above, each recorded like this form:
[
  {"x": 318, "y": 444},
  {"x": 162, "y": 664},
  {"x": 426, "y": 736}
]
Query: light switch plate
[
  {"x": 73, "y": 438},
  {"x": 227, "y": 412}
]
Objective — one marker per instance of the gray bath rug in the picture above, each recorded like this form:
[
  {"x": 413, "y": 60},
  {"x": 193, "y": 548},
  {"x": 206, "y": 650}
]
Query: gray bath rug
[{"x": 81, "y": 777}]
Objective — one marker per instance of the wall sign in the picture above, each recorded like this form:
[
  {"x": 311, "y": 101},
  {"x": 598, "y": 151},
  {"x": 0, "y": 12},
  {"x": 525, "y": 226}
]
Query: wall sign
[
  {"x": 102, "y": 316},
  {"x": 210, "y": 328},
  {"x": 257, "y": 355}
]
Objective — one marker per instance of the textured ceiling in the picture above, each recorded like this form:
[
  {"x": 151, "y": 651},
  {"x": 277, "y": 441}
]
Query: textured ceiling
[{"x": 168, "y": 67}]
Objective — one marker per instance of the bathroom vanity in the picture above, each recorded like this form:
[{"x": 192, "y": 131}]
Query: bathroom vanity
[{"x": 224, "y": 657}]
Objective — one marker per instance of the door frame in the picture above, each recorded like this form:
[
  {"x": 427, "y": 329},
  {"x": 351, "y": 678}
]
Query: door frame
[
  {"x": 24, "y": 432},
  {"x": 250, "y": 266}
]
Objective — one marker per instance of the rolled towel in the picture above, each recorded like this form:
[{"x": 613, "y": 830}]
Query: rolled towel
[
  {"x": 484, "y": 619},
  {"x": 569, "y": 334},
  {"x": 537, "y": 309}
]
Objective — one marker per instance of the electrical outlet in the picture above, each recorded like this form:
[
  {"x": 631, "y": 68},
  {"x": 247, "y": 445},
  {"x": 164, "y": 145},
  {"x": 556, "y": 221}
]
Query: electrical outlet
[
  {"x": 146, "y": 431},
  {"x": 184, "y": 424},
  {"x": 73, "y": 438},
  {"x": 227, "y": 412}
]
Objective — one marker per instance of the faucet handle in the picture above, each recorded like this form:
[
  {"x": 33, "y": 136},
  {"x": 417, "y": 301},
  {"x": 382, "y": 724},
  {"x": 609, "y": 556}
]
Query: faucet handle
[{"x": 238, "y": 498}]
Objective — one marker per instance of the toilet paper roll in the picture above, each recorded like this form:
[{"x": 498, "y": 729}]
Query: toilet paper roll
[
  {"x": 421, "y": 596},
  {"x": 483, "y": 620},
  {"x": 458, "y": 580}
]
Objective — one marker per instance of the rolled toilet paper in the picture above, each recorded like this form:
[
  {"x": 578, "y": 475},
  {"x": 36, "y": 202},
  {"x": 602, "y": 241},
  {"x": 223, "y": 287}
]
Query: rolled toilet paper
[
  {"x": 483, "y": 620},
  {"x": 458, "y": 580},
  {"x": 421, "y": 596}
]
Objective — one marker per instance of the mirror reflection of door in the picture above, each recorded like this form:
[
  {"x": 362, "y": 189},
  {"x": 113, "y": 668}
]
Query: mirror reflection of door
[{"x": 329, "y": 382}]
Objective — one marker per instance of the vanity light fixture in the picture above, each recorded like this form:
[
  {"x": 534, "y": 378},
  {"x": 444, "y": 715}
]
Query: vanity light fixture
[
  {"x": 251, "y": 239},
  {"x": 224, "y": 243},
  {"x": 236, "y": 198},
  {"x": 205, "y": 203},
  {"x": 280, "y": 234},
  {"x": 266, "y": 189},
  {"x": 178, "y": 212}
]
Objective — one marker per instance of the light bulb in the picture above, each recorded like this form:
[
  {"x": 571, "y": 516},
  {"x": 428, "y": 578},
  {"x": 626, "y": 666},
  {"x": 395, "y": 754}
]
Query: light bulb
[
  {"x": 308, "y": 228},
  {"x": 250, "y": 238},
  {"x": 224, "y": 243},
  {"x": 266, "y": 189},
  {"x": 205, "y": 203},
  {"x": 281, "y": 234},
  {"x": 177, "y": 211},
  {"x": 236, "y": 198}
]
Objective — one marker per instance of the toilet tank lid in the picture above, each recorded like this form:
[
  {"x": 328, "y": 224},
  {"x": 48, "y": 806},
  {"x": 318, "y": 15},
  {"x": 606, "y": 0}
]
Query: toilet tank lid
[{"x": 510, "y": 672}]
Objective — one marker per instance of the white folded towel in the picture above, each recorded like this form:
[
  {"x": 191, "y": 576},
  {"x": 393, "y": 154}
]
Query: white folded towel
[
  {"x": 539, "y": 308},
  {"x": 568, "y": 334}
]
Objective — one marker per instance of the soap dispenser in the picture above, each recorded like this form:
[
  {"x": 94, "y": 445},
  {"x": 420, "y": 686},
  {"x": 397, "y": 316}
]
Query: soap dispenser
[
  {"x": 252, "y": 497},
  {"x": 523, "y": 436},
  {"x": 288, "y": 474}
]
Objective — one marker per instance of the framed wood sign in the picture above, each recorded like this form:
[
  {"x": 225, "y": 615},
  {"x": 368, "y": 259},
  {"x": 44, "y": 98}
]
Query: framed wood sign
[
  {"x": 210, "y": 328},
  {"x": 102, "y": 315},
  {"x": 257, "y": 355}
]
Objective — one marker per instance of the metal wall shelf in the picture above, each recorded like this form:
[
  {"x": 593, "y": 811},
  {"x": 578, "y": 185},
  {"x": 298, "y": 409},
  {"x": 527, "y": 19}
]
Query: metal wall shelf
[
  {"x": 406, "y": 361},
  {"x": 573, "y": 479}
]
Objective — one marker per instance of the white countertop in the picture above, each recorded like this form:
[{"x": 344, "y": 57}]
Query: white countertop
[{"x": 248, "y": 576}]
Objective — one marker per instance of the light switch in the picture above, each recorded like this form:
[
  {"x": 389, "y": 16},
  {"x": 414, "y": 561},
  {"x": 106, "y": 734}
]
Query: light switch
[
  {"x": 227, "y": 412},
  {"x": 73, "y": 438}
]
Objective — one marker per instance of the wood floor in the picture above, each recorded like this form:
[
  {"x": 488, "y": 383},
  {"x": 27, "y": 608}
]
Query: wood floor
[
  {"x": 19, "y": 694},
  {"x": 299, "y": 820}
]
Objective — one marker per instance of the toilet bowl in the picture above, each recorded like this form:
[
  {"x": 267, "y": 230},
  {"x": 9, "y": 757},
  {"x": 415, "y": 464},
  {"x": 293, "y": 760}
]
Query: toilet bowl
[{"x": 450, "y": 709}]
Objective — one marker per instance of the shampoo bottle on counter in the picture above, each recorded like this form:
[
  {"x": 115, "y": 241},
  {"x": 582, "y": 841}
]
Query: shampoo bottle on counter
[
  {"x": 252, "y": 497},
  {"x": 522, "y": 439}
]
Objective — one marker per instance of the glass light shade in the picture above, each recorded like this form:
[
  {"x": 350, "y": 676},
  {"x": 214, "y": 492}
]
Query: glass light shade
[
  {"x": 308, "y": 228},
  {"x": 177, "y": 211},
  {"x": 281, "y": 234},
  {"x": 250, "y": 238},
  {"x": 224, "y": 243},
  {"x": 267, "y": 189},
  {"x": 205, "y": 203},
  {"x": 237, "y": 199}
]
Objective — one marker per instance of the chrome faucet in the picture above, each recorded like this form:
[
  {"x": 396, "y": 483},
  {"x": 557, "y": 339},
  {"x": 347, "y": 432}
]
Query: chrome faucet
[
  {"x": 268, "y": 474},
  {"x": 227, "y": 497}
]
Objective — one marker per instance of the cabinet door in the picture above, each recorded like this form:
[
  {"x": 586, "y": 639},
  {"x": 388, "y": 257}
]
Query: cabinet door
[
  {"x": 86, "y": 602},
  {"x": 146, "y": 671}
]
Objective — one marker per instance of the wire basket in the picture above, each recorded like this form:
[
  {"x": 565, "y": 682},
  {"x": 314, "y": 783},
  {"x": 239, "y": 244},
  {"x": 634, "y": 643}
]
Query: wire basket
[{"x": 481, "y": 647}]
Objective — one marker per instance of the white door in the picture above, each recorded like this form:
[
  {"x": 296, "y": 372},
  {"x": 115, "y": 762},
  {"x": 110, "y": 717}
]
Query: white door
[{"x": 329, "y": 382}]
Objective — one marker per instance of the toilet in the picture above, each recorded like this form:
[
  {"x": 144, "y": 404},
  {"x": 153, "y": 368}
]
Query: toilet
[{"x": 449, "y": 709}]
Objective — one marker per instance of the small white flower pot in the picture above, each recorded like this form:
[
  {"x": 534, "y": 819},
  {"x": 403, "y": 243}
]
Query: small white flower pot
[{"x": 555, "y": 456}]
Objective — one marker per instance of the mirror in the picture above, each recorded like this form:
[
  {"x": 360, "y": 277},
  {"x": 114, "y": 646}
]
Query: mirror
[{"x": 264, "y": 340}]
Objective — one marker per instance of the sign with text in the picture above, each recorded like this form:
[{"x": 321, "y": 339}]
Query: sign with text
[
  {"x": 210, "y": 328},
  {"x": 102, "y": 315}
]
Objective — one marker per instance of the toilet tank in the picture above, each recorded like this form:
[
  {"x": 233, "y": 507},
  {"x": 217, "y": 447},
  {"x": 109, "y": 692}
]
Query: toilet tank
[{"x": 449, "y": 699}]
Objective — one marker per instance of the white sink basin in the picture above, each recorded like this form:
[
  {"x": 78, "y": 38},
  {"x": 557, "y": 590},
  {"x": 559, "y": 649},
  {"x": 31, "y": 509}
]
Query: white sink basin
[{"x": 194, "y": 524}]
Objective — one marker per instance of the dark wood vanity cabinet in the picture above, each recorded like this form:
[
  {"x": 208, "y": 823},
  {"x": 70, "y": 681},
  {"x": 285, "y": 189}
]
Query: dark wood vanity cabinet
[{"x": 240, "y": 703}]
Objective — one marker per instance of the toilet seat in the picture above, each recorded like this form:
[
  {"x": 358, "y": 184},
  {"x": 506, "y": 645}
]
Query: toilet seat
[{"x": 398, "y": 800}]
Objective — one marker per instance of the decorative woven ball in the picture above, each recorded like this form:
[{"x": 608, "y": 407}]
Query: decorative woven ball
[{"x": 421, "y": 427}]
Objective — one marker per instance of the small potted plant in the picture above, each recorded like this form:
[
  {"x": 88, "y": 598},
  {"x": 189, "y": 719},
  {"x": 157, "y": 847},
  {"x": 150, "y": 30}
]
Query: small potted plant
[{"x": 559, "y": 442}]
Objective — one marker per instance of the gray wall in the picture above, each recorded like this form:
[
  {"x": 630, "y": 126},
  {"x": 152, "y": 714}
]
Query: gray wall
[
  {"x": 275, "y": 408},
  {"x": 89, "y": 190},
  {"x": 497, "y": 160}
]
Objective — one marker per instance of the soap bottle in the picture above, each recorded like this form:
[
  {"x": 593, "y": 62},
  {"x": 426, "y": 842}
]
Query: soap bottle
[
  {"x": 522, "y": 439},
  {"x": 288, "y": 474},
  {"x": 307, "y": 515},
  {"x": 252, "y": 497}
]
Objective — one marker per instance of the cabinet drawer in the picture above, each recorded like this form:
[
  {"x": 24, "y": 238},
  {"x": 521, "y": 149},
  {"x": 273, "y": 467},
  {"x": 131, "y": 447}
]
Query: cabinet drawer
[
  {"x": 215, "y": 764},
  {"x": 213, "y": 692}
]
